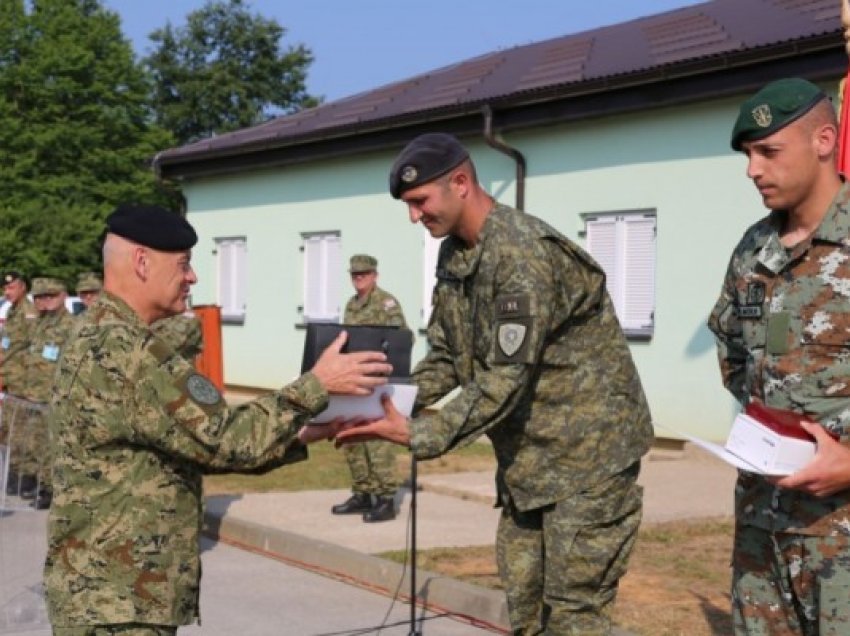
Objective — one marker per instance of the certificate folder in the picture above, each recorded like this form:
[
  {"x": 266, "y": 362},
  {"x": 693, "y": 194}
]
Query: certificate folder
[{"x": 396, "y": 343}]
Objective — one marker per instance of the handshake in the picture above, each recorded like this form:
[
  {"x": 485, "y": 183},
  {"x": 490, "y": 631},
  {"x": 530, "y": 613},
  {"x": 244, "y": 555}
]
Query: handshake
[{"x": 356, "y": 374}]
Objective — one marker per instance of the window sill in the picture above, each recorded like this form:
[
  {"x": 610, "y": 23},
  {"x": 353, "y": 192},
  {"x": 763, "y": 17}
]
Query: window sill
[{"x": 233, "y": 320}]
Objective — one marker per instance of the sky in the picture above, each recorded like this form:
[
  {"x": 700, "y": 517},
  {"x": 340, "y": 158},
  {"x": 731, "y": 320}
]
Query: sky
[{"x": 359, "y": 45}]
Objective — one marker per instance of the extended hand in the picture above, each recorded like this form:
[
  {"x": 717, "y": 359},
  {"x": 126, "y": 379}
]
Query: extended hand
[
  {"x": 393, "y": 427},
  {"x": 350, "y": 373},
  {"x": 829, "y": 470}
]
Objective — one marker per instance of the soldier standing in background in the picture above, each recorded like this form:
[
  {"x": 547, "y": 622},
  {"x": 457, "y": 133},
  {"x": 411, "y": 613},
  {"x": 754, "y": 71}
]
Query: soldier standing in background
[
  {"x": 374, "y": 478},
  {"x": 89, "y": 286},
  {"x": 52, "y": 330},
  {"x": 782, "y": 323},
  {"x": 16, "y": 332},
  {"x": 523, "y": 324},
  {"x": 134, "y": 427}
]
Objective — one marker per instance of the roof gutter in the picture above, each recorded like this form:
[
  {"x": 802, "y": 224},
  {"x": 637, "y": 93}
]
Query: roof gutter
[{"x": 513, "y": 153}]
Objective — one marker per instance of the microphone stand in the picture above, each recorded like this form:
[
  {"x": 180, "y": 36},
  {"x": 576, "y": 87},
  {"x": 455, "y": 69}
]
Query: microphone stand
[{"x": 413, "y": 488}]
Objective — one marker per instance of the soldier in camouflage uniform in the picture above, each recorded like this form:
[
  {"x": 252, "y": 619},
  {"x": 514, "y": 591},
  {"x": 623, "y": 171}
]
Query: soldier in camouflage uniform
[
  {"x": 133, "y": 429},
  {"x": 372, "y": 464},
  {"x": 89, "y": 286},
  {"x": 52, "y": 330},
  {"x": 522, "y": 323},
  {"x": 16, "y": 332},
  {"x": 183, "y": 333},
  {"x": 781, "y": 324}
]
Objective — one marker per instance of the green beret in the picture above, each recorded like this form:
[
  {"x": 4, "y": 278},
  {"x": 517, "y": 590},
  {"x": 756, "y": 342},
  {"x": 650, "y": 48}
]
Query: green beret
[
  {"x": 363, "y": 263},
  {"x": 774, "y": 107},
  {"x": 152, "y": 226},
  {"x": 424, "y": 159},
  {"x": 89, "y": 282},
  {"x": 47, "y": 286}
]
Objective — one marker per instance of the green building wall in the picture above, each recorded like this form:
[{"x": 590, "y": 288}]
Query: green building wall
[{"x": 674, "y": 161}]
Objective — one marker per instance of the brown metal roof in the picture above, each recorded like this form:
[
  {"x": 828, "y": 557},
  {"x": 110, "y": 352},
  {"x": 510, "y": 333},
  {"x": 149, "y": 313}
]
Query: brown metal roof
[{"x": 709, "y": 38}]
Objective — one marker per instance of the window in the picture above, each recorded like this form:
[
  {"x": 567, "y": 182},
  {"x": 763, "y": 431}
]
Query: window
[
  {"x": 624, "y": 245},
  {"x": 322, "y": 276},
  {"x": 232, "y": 277},
  {"x": 431, "y": 250}
]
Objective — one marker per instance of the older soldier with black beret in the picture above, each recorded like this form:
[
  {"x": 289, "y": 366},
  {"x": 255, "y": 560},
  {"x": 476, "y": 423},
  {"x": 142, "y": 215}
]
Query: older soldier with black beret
[
  {"x": 134, "y": 427},
  {"x": 782, "y": 324},
  {"x": 522, "y": 323}
]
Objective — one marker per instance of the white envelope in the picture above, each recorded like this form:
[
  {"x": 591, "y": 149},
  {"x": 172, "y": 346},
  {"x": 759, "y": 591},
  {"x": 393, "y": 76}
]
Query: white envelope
[{"x": 368, "y": 406}]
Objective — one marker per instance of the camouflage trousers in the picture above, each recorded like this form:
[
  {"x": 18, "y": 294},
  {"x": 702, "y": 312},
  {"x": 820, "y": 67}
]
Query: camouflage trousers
[
  {"x": 561, "y": 564},
  {"x": 373, "y": 469},
  {"x": 784, "y": 584},
  {"x": 127, "y": 629}
]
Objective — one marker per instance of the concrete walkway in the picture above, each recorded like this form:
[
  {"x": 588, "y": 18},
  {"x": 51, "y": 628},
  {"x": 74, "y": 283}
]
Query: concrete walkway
[{"x": 453, "y": 510}]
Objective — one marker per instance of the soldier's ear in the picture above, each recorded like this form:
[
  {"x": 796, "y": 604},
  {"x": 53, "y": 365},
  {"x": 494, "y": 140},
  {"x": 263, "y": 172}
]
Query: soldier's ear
[{"x": 141, "y": 262}]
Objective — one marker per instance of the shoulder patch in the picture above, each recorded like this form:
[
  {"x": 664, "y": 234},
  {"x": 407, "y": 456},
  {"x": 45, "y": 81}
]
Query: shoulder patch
[
  {"x": 389, "y": 303},
  {"x": 201, "y": 390}
]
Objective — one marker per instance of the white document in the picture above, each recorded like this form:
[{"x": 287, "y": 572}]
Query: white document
[
  {"x": 719, "y": 451},
  {"x": 368, "y": 406}
]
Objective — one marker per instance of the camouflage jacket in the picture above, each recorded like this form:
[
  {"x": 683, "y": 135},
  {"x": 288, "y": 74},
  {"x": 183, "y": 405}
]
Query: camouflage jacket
[
  {"x": 378, "y": 308},
  {"x": 781, "y": 324},
  {"x": 182, "y": 333},
  {"x": 523, "y": 324},
  {"x": 14, "y": 341},
  {"x": 52, "y": 330},
  {"x": 133, "y": 428}
]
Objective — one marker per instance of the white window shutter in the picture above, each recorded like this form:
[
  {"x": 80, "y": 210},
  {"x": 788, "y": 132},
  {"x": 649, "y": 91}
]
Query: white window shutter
[
  {"x": 603, "y": 245},
  {"x": 430, "y": 252},
  {"x": 322, "y": 277},
  {"x": 232, "y": 277},
  {"x": 639, "y": 272}
]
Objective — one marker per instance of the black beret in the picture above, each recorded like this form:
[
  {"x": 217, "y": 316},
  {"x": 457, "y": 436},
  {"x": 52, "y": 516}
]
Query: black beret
[
  {"x": 152, "y": 226},
  {"x": 424, "y": 159},
  {"x": 11, "y": 276},
  {"x": 774, "y": 107}
]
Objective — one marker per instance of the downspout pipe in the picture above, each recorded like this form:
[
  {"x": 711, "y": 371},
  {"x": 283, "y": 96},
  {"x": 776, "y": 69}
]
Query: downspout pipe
[{"x": 513, "y": 153}]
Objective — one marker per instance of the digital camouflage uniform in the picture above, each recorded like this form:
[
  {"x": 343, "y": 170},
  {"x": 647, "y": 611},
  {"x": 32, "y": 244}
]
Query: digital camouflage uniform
[
  {"x": 14, "y": 342},
  {"x": 782, "y": 325},
  {"x": 183, "y": 333},
  {"x": 523, "y": 324},
  {"x": 133, "y": 428},
  {"x": 49, "y": 335},
  {"x": 372, "y": 464}
]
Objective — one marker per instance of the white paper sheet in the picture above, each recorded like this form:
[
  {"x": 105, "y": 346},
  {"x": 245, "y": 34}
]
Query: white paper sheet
[{"x": 368, "y": 406}]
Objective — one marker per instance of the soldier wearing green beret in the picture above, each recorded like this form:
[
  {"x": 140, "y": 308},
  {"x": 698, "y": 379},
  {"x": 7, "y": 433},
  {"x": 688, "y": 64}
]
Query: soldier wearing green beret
[
  {"x": 89, "y": 286},
  {"x": 134, "y": 427},
  {"x": 523, "y": 325},
  {"x": 51, "y": 332},
  {"x": 374, "y": 477},
  {"x": 14, "y": 341},
  {"x": 782, "y": 324}
]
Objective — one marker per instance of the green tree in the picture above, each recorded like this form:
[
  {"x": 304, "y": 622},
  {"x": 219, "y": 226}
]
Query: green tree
[
  {"x": 224, "y": 70},
  {"x": 76, "y": 133}
]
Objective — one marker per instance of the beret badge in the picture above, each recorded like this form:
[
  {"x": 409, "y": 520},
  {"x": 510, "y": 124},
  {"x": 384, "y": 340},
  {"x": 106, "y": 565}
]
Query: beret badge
[
  {"x": 409, "y": 174},
  {"x": 762, "y": 115}
]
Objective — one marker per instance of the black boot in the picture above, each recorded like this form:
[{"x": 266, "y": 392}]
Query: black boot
[
  {"x": 28, "y": 486},
  {"x": 358, "y": 502},
  {"x": 12, "y": 484},
  {"x": 43, "y": 500},
  {"x": 384, "y": 510}
]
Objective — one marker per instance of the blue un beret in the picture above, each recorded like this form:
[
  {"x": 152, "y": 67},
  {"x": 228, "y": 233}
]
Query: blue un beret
[
  {"x": 424, "y": 159},
  {"x": 152, "y": 226}
]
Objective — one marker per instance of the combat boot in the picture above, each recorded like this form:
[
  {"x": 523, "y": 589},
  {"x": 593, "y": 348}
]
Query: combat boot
[
  {"x": 383, "y": 510},
  {"x": 356, "y": 503},
  {"x": 43, "y": 500},
  {"x": 28, "y": 486},
  {"x": 12, "y": 484}
]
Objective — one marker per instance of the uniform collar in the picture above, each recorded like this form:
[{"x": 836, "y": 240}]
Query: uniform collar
[
  {"x": 463, "y": 261},
  {"x": 110, "y": 308},
  {"x": 833, "y": 228}
]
